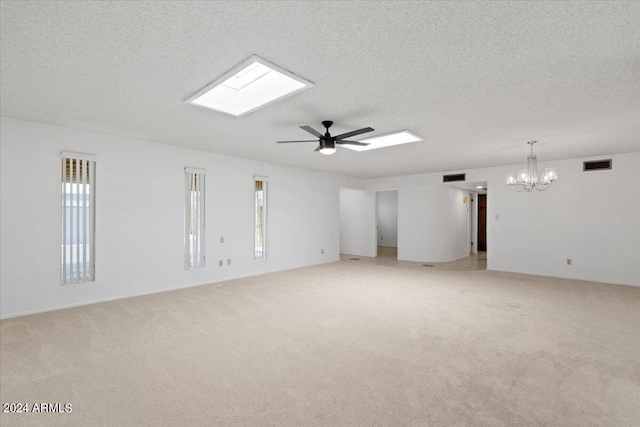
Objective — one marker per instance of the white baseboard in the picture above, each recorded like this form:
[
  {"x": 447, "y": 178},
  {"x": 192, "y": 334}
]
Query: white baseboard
[{"x": 157, "y": 291}]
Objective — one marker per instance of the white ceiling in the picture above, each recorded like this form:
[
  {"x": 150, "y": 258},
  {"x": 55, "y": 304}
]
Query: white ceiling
[{"x": 475, "y": 80}]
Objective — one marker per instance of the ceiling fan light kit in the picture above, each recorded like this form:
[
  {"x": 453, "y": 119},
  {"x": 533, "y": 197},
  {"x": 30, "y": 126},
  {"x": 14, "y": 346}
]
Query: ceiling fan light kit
[
  {"x": 328, "y": 150},
  {"x": 528, "y": 179}
]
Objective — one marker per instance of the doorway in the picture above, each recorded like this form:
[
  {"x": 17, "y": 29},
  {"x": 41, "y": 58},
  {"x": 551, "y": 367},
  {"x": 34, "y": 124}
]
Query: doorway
[
  {"x": 387, "y": 223},
  {"x": 473, "y": 220},
  {"x": 482, "y": 222}
]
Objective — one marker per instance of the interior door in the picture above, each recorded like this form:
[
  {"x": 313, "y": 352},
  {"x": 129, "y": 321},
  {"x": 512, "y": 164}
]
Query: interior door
[{"x": 482, "y": 222}]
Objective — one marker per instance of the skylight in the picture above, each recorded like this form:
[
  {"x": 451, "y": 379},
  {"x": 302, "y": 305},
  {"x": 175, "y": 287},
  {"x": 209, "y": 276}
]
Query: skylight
[
  {"x": 250, "y": 85},
  {"x": 383, "y": 141}
]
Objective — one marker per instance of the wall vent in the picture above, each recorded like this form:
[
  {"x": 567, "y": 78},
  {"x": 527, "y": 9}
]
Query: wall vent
[
  {"x": 453, "y": 178},
  {"x": 596, "y": 165}
]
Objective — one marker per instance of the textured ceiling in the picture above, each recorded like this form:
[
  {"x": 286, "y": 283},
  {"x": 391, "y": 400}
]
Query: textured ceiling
[{"x": 475, "y": 80}]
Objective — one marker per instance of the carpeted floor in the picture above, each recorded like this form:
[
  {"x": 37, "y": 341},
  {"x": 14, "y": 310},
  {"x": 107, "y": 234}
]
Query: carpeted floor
[
  {"x": 346, "y": 343},
  {"x": 388, "y": 256}
]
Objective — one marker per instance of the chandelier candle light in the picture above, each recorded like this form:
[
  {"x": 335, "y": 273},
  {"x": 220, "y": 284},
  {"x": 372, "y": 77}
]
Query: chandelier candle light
[{"x": 528, "y": 179}]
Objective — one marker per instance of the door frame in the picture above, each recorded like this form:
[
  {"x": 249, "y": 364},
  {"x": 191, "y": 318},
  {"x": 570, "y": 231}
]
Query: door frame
[
  {"x": 375, "y": 207},
  {"x": 480, "y": 222}
]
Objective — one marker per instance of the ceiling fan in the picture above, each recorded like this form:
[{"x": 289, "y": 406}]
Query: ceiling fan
[{"x": 327, "y": 142}]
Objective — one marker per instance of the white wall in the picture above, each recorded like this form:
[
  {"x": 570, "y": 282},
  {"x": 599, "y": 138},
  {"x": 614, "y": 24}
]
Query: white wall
[
  {"x": 433, "y": 223},
  {"x": 139, "y": 217},
  {"x": 591, "y": 217},
  {"x": 358, "y": 222},
  {"x": 387, "y": 218}
]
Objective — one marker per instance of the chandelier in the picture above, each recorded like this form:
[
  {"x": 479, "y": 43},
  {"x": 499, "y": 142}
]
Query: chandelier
[{"x": 528, "y": 179}]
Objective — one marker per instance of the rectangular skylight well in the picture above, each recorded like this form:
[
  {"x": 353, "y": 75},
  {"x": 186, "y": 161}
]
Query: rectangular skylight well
[
  {"x": 252, "y": 84},
  {"x": 383, "y": 141}
]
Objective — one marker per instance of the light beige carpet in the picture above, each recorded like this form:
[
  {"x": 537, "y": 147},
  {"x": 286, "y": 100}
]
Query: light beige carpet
[{"x": 338, "y": 344}]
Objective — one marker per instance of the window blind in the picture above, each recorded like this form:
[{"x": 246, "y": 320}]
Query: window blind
[
  {"x": 78, "y": 218},
  {"x": 260, "y": 217},
  {"x": 194, "y": 255}
]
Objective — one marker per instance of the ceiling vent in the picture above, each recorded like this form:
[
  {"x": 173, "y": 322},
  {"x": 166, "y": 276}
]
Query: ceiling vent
[
  {"x": 596, "y": 165},
  {"x": 453, "y": 178}
]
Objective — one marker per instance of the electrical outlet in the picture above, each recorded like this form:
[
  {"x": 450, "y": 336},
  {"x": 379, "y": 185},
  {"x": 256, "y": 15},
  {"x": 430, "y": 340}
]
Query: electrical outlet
[
  {"x": 220, "y": 263},
  {"x": 497, "y": 217},
  {"x": 569, "y": 261},
  {"x": 322, "y": 251},
  {"x": 229, "y": 261},
  {"x": 221, "y": 239}
]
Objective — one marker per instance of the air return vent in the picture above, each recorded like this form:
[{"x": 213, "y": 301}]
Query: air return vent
[
  {"x": 596, "y": 165},
  {"x": 453, "y": 178}
]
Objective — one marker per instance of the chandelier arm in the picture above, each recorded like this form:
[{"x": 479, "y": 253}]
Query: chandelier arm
[{"x": 543, "y": 186}]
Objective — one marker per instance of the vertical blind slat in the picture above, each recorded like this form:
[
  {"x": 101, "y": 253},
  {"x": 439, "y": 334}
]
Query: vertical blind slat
[
  {"x": 190, "y": 233},
  {"x": 92, "y": 219},
  {"x": 69, "y": 209},
  {"x": 84, "y": 219},
  {"x": 64, "y": 219},
  {"x": 70, "y": 222},
  {"x": 187, "y": 213},
  {"x": 199, "y": 195},
  {"x": 203, "y": 194},
  {"x": 80, "y": 214},
  {"x": 193, "y": 219},
  {"x": 191, "y": 216},
  {"x": 74, "y": 226},
  {"x": 200, "y": 247},
  {"x": 200, "y": 220},
  {"x": 196, "y": 234},
  {"x": 87, "y": 225}
]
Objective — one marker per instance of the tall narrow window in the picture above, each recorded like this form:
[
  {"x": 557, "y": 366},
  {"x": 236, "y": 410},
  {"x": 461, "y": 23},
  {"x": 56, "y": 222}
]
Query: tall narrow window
[
  {"x": 260, "y": 215},
  {"x": 194, "y": 224},
  {"x": 77, "y": 258}
]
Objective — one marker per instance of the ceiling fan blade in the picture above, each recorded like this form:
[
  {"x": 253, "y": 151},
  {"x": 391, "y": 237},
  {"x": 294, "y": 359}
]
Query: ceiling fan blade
[
  {"x": 345, "y": 142},
  {"x": 353, "y": 133},
  {"x": 319, "y": 148},
  {"x": 306, "y": 140},
  {"x": 312, "y": 131}
]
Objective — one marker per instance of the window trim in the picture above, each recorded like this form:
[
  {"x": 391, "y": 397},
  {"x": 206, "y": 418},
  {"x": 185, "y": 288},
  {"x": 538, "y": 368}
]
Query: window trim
[
  {"x": 91, "y": 160},
  {"x": 201, "y": 218},
  {"x": 265, "y": 215}
]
